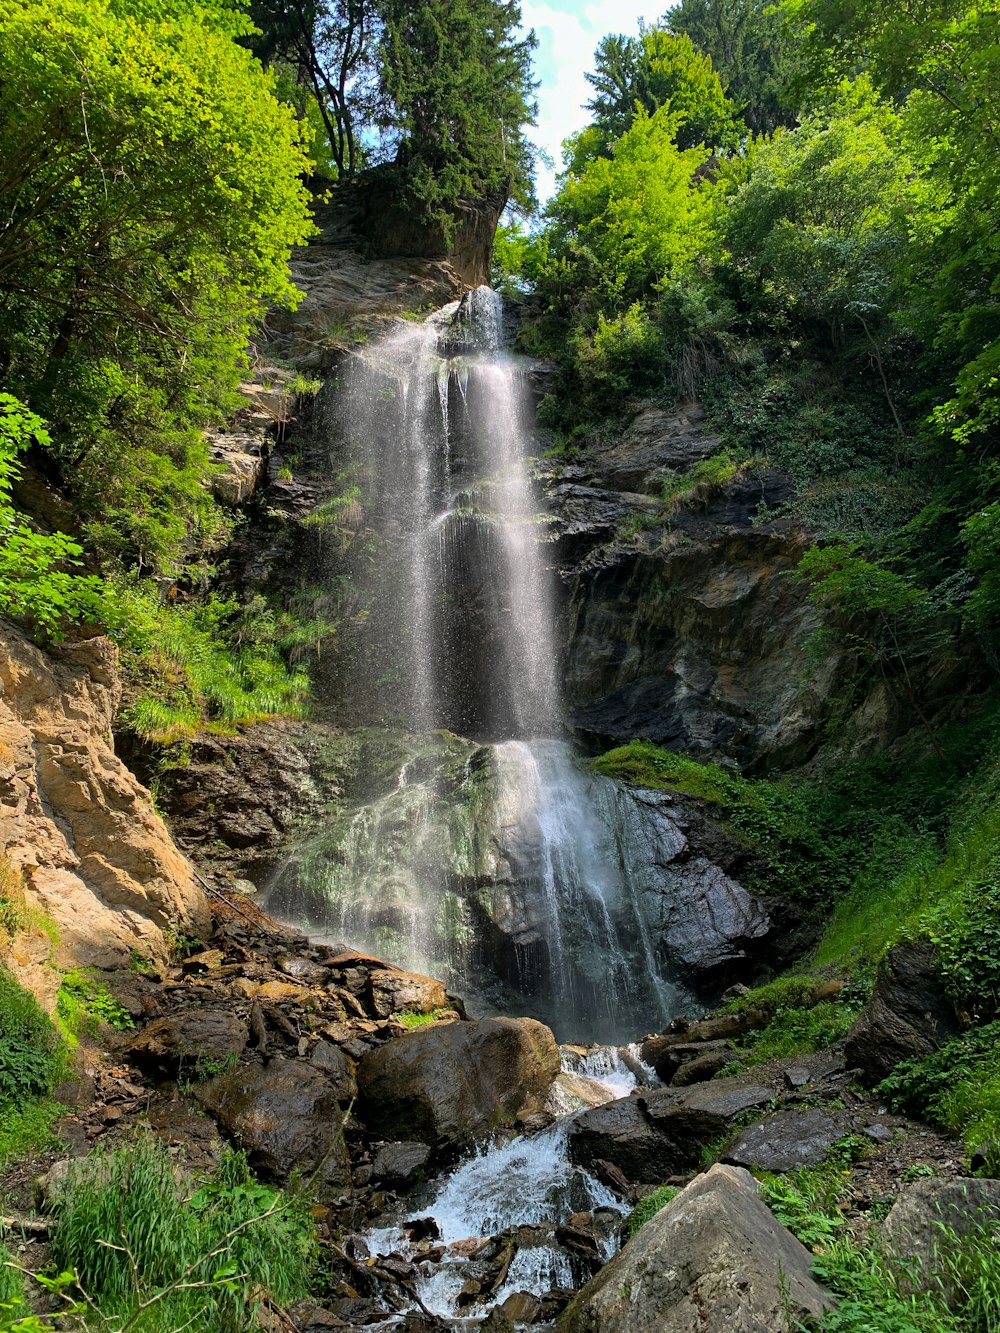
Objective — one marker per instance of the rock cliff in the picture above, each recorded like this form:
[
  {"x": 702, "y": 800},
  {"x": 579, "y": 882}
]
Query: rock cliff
[{"x": 94, "y": 855}]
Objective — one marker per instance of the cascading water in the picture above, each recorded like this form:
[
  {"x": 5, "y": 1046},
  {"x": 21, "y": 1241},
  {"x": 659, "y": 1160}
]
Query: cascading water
[{"x": 499, "y": 862}]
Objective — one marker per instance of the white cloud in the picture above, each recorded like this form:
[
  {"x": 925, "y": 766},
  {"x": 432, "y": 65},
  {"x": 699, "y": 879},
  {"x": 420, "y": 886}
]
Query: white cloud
[{"x": 568, "y": 32}]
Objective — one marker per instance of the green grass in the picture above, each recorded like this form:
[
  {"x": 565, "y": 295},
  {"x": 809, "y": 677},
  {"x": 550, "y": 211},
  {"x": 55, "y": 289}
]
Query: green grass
[
  {"x": 413, "y": 1020},
  {"x": 648, "y": 1207},
  {"x": 874, "y": 1291},
  {"x": 956, "y": 1088},
  {"x": 136, "y": 1235},
  {"x": 201, "y": 664},
  {"x": 26, "y": 1127}
]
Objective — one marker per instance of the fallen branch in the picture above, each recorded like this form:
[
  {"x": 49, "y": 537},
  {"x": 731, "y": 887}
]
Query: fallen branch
[{"x": 30, "y": 1226}]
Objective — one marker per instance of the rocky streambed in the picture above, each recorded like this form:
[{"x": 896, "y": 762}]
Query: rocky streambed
[{"x": 471, "y": 1173}]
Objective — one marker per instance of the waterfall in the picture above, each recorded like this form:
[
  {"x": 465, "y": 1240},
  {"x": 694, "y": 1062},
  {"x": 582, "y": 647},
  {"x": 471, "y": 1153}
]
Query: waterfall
[{"x": 479, "y": 847}]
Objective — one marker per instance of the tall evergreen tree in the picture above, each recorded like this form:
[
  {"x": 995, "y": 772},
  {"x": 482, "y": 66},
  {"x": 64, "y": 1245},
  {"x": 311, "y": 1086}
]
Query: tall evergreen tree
[{"x": 458, "y": 96}]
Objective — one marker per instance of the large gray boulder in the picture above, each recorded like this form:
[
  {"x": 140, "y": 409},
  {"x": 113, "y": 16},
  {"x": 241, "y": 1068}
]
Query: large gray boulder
[
  {"x": 451, "y": 1085},
  {"x": 714, "y": 1260},
  {"x": 652, "y": 1135},
  {"x": 286, "y": 1116},
  {"x": 909, "y": 1015}
]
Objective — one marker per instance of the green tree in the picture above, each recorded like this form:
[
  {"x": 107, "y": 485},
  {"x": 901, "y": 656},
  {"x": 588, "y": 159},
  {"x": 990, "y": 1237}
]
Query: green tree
[
  {"x": 756, "y": 53},
  {"x": 654, "y": 70},
  {"x": 329, "y": 48},
  {"x": 150, "y": 188},
  {"x": 38, "y": 578},
  {"x": 456, "y": 80}
]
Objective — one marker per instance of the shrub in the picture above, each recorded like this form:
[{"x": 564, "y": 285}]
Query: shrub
[
  {"x": 84, "y": 1004},
  {"x": 31, "y": 1059}
]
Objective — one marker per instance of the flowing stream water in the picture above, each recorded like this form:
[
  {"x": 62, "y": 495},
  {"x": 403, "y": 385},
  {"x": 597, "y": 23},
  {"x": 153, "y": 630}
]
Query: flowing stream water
[{"x": 483, "y": 850}]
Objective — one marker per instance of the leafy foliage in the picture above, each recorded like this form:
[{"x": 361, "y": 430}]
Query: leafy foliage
[
  {"x": 84, "y": 1003},
  {"x": 37, "y": 578},
  {"x": 30, "y": 1051},
  {"x": 204, "y": 663}
]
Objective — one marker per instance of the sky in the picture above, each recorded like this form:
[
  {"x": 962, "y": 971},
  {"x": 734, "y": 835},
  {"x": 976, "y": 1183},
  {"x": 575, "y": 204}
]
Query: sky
[{"x": 568, "y": 32}]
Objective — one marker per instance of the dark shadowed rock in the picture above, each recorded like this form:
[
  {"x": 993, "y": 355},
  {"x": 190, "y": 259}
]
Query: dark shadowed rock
[
  {"x": 450, "y": 1085},
  {"x": 691, "y": 1117},
  {"x": 787, "y": 1140},
  {"x": 619, "y": 1133},
  {"x": 908, "y": 1014},
  {"x": 338, "y": 1068},
  {"x": 287, "y": 1118},
  {"x": 702, "y": 1068},
  {"x": 397, "y": 1163},
  {"x": 714, "y": 1260},
  {"x": 652, "y": 1135},
  {"x": 193, "y": 1039}
]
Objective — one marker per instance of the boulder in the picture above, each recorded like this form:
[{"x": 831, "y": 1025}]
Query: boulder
[
  {"x": 908, "y": 1014},
  {"x": 715, "y": 1258},
  {"x": 338, "y": 1068},
  {"x": 619, "y": 1133},
  {"x": 655, "y": 1134},
  {"x": 399, "y": 1163},
  {"x": 787, "y": 1140},
  {"x": 450, "y": 1085},
  {"x": 575, "y": 1092},
  {"x": 912, "y": 1232},
  {"x": 285, "y": 1115},
  {"x": 192, "y": 1040}
]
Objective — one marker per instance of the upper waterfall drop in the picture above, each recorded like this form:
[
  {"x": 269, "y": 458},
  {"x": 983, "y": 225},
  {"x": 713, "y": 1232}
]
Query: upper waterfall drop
[{"x": 478, "y": 847}]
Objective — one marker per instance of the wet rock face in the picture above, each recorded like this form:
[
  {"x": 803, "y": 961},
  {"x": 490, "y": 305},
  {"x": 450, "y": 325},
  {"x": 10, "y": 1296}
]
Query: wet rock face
[
  {"x": 450, "y": 1086},
  {"x": 95, "y": 854},
  {"x": 286, "y": 1116},
  {"x": 716, "y": 1257},
  {"x": 238, "y": 798},
  {"x": 908, "y": 1014},
  {"x": 704, "y": 922},
  {"x": 689, "y": 633}
]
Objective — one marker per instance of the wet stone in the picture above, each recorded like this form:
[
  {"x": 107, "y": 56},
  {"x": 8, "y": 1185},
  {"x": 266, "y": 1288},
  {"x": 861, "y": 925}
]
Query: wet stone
[
  {"x": 787, "y": 1140},
  {"x": 398, "y": 1163}
]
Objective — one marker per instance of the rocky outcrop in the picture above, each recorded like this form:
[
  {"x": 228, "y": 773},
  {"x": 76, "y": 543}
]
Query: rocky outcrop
[
  {"x": 347, "y": 293},
  {"x": 908, "y": 1016},
  {"x": 238, "y": 799},
  {"x": 703, "y": 920},
  {"x": 683, "y": 626},
  {"x": 450, "y": 1086},
  {"x": 189, "y": 1041},
  {"x": 715, "y": 1257},
  {"x": 94, "y": 854}
]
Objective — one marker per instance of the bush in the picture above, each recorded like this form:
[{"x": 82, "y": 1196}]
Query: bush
[
  {"x": 84, "y": 1004},
  {"x": 31, "y": 1059},
  {"x": 202, "y": 1261},
  {"x": 190, "y": 667}
]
